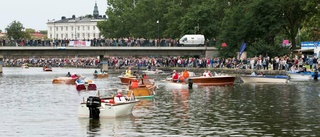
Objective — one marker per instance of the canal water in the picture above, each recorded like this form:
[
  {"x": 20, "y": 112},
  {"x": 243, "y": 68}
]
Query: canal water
[{"x": 30, "y": 105}]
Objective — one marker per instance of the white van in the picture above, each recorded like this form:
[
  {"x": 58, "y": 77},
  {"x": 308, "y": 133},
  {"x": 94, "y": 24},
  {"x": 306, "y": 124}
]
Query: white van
[{"x": 192, "y": 40}]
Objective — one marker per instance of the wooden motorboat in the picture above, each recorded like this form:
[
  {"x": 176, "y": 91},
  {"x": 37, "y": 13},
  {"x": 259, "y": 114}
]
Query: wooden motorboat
[
  {"x": 85, "y": 85},
  {"x": 213, "y": 81},
  {"x": 100, "y": 75},
  {"x": 126, "y": 79},
  {"x": 106, "y": 107},
  {"x": 64, "y": 80},
  {"x": 265, "y": 79},
  {"x": 145, "y": 90},
  {"x": 45, "y": 68}
]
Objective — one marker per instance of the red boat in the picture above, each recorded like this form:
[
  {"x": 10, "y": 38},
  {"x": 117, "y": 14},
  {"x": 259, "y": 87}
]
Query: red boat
[
  {"x": 213, "y": 81},
  {"x": 85, "y": 85},
  {"x": 45, "y": 68},
  {"x": 126, "y": 79}
]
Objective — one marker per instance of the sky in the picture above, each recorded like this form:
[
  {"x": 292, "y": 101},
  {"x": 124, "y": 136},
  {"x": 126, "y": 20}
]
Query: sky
[{"x": 35, "y": 13}]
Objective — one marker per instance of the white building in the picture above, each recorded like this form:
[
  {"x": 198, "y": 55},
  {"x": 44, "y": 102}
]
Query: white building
[{"x": 76, "y": 28}]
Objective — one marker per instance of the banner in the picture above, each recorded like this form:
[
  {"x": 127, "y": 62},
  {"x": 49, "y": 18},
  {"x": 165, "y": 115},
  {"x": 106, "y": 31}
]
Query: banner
[
  {"x": 242, "y": 48},
  {"x": 79, "y": 43}
]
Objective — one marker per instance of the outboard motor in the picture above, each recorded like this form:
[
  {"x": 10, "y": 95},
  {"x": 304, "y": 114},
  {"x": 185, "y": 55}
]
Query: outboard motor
[
  {"x": 93, "y": 103},
  {"x": 315, "y": 77},
  {"x": 190, "y": 83}
]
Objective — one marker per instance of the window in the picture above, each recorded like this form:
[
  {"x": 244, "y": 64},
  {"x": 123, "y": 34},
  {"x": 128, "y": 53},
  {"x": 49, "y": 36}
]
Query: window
[
  {"x": 50, "y": 28},
  {"x": 78, "y": 27},
  {"x": 61, "y": 36},
  {"x": 71, "y": 28},
  {"x": 56, "y": 28},
  {"x": 94, "y": 35},
  {"x": 66, "y": 36},
  {"x": 88, "y": 35},
  {"x": 94, "y": 27},
  {"x": 66, "y": 28},
  {"x": 83, "y": 28},
  {"x": 50, "y": 35},
  {"x": 83, "y": 35},
  {"x": 61, "y": 28},
  {"x": 56, "y": 36},
  {"x": 72, "y": 36},
  {"x": 88, "y": 27}
]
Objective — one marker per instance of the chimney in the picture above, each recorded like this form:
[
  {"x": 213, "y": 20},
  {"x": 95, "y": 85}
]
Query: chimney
[
  {"x": 63, "y": 17},
  {"x": 73, "y": 16}
]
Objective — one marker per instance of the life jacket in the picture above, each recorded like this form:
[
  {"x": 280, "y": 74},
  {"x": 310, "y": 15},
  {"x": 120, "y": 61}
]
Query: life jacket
[
  {"x": 134, "y": 84},
  {"x": 186, "y": 74},
  {"x": 181, "y": 79},
  {"x": 175, "y": 76}
]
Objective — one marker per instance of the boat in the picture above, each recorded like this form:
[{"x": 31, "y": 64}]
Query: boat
[
  {"x": 66, "y": 80},
  {"x": 45, "y": 68},
  {"x": 265, "y": 79},
  {"x": 145, "y": 90},
  {"x": 82, "y": 84},
  {"x": 305, "y": 75},
  {"x": 100, "y": 75},
  {"x": 25, "y": 66},
  {"x": 153, "y": 72},
  {"x": 213, "y": 80},
  {"x": 106, "y": 106},
  {"x": 126, "y": 79}
]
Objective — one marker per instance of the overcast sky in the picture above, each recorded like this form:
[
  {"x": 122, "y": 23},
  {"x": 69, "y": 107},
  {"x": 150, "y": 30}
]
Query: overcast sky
[{"x": 35, "y": 13}]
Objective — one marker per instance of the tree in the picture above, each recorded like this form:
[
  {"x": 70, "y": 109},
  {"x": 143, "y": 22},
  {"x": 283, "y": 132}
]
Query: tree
[
  {"x": 0, "y": 31},
  {"x": 14, "y": 30}
]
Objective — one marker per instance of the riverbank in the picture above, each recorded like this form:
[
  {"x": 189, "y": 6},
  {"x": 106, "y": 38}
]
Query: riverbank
[{"x": 218, "y": 70}]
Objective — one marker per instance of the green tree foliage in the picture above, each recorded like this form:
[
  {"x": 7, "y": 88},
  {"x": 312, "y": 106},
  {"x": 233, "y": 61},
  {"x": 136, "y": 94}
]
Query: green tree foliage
[
  {"x": 15, "y": 30},
  {"x": 233, "y": 21}
]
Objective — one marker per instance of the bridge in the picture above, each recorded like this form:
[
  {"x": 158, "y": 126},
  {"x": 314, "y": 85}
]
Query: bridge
[{"x": 104, "y": 52}]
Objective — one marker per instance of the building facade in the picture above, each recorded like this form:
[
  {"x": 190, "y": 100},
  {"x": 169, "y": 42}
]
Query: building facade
[{"x": 76, "y": 28}]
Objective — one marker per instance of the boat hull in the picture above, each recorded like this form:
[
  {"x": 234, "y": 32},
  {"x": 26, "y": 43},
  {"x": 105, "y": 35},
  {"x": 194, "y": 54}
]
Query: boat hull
[
  {"x": 262, "y": 79},
  {"x": 213, "y": 81},
  {"x": 126, "y": 80},
  {"x": 100, "y": 75},
  {"x": 91, "y": 86},
  {"x": 144, "y": 91},
  {"x": 108, "y": 110},
  {"x": 64, "y": 80}
]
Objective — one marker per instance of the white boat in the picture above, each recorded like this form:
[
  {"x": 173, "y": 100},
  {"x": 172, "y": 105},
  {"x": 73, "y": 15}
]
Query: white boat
[
  {"x": 106, "y": 107},
  {"x": 300, "y": 76},
  {"x": 265, "y": 79},
  {"x": 152, "y": 72}
]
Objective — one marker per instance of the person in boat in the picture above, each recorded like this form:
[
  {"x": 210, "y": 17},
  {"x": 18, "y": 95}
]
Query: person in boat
[
  {"x": 95, "y": 72},
  {"x": 185, "y": 75},
  {"x": 119, "y": 96},
  {"x": 134, "y": 84},
  {"x": 209, "y": 74},
  {"x": 205, "y": 73},
  {"x": 144, "y": 76},
  {"x": 149, "y": 67},
  {"x": 128, "y": 72},
  {"x": 175, "y": 76},
  {"x": 261, "y": 74},
  {"x": 68, "y": 74}
]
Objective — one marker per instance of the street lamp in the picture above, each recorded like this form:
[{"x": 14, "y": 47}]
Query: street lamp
[{"x": 158, "y": 32}]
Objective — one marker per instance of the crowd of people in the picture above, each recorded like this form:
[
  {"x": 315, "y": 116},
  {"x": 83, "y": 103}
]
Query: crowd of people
[
  {"x": 128, "y": 42},
  {"x": 258, "y": 63}
]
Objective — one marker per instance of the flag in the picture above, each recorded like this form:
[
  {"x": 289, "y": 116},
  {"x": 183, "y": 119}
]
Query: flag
[
  {"x": 242, "y": 48},
  {"x": 224, "y": 44}
]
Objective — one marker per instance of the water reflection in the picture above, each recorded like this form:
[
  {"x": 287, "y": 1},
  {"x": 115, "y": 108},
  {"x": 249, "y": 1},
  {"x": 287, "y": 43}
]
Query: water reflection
[{"x": 106, "y": 127}]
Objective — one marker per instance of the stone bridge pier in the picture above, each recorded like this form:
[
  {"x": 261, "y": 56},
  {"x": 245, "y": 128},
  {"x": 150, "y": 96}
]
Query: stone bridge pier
[
  {"x": 104, "y": 61},
  {"x": 1, "y": 63}
]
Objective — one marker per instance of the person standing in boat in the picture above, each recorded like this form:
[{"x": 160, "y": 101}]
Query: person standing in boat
[
  {"x": 185, "y": 75},
  {"x": 68, "y": 74},
  {"x": 128, "y": 72}
]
